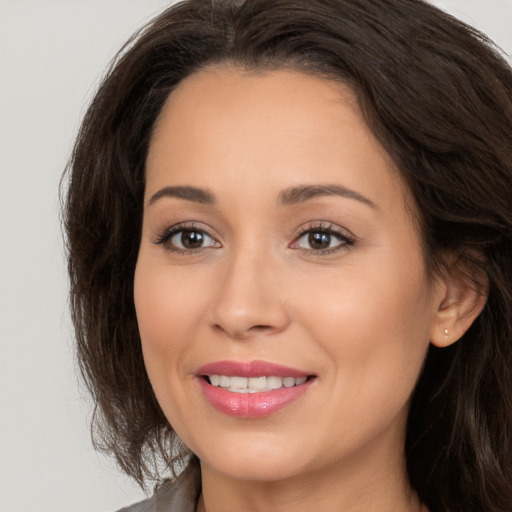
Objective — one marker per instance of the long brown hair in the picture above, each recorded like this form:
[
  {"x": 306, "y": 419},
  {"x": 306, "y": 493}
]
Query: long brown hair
[{"x": 438, "y": 96}]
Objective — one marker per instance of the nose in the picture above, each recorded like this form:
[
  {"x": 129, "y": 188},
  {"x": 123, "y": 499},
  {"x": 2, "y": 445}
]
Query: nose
[{"x": 250, "y": 299}]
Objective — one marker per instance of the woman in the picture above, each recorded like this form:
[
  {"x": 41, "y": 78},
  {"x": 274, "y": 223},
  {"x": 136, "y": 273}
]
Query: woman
[{"x": 290, "y": 234}]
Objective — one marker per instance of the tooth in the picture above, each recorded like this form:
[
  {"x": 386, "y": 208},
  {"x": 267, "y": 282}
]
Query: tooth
[
  {"x": 225, "y": 381},
  {"x": 288, "y": 382},
  {"x": 240, "y": 390},
  {"x": 239, "y": 382},
  {"x": 274, "y": 382},
  {"x": 254, "y": 384},
  {"x": 258, "y": 383}
]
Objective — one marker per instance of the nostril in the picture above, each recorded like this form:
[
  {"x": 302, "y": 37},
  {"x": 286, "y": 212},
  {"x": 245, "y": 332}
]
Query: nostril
[
  {"x": 260, "y": 327},
  {"x": 243, "y": 332}
]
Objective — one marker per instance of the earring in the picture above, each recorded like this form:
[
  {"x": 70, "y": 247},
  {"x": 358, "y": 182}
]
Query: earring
[{"x": 446, "y": 334}]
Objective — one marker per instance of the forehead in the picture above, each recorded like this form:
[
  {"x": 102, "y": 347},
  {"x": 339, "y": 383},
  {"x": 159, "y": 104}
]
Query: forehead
[{"x": 279, "y": 128}]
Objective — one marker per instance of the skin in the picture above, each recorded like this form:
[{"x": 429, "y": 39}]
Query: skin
[{"x": 360, "y": 317}]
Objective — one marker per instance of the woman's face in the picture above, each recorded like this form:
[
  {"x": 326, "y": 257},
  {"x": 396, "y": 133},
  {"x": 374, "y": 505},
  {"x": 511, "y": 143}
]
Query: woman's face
[{"x": 277, "y": 248}]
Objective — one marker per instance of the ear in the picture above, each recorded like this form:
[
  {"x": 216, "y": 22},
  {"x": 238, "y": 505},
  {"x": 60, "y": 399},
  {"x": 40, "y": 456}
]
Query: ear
[{"x": 460, "y": 295}]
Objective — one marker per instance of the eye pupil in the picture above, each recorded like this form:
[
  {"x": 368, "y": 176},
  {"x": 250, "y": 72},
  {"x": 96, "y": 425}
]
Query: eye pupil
[
  {"x": 319, "y": 240},
  {"x": 192, "y": 239}
]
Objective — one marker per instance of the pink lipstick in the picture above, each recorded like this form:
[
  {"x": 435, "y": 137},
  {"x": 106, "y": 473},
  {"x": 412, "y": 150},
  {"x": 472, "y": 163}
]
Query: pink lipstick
[{"x": 252, "y": 389}]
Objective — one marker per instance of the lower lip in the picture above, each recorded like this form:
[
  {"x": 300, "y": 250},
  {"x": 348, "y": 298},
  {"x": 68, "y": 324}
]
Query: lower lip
[{"x": 252, "y": 405}]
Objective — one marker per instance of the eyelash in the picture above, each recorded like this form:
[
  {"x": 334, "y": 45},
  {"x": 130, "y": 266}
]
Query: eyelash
[
  {"x": 346, "y": 240},
  {"x": 169, "y": 233}
]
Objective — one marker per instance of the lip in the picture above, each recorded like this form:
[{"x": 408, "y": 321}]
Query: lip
[
  {"x": 250, "y": 369},
  {"x": 251, "y": 405}
]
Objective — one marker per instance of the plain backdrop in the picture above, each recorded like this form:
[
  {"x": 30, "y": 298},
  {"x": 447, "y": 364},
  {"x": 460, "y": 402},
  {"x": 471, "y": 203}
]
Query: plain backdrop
[{"x": 52, "y": 53}]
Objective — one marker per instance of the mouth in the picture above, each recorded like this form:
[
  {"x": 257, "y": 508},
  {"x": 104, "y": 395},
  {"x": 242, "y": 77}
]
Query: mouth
[
  {"x": 253, "y": 389},
  {"x": 261, "y": 384}
]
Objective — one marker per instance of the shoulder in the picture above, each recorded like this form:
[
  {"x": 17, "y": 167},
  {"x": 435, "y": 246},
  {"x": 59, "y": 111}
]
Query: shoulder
[
  {"x": 143, "y": 506},
  {"x": 172, "y": 496}
]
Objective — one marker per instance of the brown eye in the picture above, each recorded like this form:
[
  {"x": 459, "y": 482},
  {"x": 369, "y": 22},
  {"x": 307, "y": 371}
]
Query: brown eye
[
  {"x": 318, "y": 240},
  {"x": 189, "y": 240},
  {"x": 322, "y": 240}
]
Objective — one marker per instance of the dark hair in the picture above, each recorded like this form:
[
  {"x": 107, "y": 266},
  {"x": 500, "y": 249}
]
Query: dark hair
[{"x": 438, "y": 96}]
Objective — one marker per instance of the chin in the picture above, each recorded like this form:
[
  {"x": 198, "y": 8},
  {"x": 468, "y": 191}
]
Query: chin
[{"x": 255, "y": 459}]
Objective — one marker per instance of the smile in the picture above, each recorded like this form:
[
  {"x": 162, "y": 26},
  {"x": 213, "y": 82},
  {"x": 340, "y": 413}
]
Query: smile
[
  {"x": 252, "y": 389},
  {"x": 237, "y": 384}
]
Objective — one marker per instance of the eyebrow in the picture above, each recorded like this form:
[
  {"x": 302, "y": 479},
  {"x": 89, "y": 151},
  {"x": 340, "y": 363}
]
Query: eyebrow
[
  {"x": 194, "y": 194},
  {"x": 304, "y": 193},
  {"x": 290, "y": 196}
]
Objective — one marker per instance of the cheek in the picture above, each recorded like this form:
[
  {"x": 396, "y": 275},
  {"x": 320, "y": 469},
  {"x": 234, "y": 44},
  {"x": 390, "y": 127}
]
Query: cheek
[
  {"x": 375, "y": 335},
  {"x": 167, "y": 311},
  {"x": 166, "y": 303},
  {"x": 352, "y": 302},
  {"x": 164, "y": 310},
  {"x": 374, "y": 326}
]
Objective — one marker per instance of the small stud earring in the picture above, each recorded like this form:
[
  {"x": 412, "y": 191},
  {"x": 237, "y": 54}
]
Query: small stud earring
[{"x": 446, "y": 334}]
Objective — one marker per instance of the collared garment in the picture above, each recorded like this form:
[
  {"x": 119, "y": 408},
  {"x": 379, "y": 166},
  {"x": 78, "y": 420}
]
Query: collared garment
[{"x": 180, "y": 495}]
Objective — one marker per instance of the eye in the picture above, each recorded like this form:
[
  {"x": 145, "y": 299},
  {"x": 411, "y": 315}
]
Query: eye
[
  {"x": 186, "y": 239},
  {"x": 318, "y": 240},
  {"x": 322, "y": 239},
  {"x": 190, "y": 239}
]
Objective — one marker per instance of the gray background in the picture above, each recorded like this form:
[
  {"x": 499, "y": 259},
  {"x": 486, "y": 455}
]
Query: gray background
[{"x": 51, "y": 55}]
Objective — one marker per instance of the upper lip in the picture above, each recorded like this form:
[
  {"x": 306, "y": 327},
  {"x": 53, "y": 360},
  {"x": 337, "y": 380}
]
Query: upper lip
[{"x": 250, "y": 369}]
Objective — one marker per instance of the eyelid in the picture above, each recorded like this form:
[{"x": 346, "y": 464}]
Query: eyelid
[
  {"x": 168, "y": 233},
  {"x": 347, "y": 239}
]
